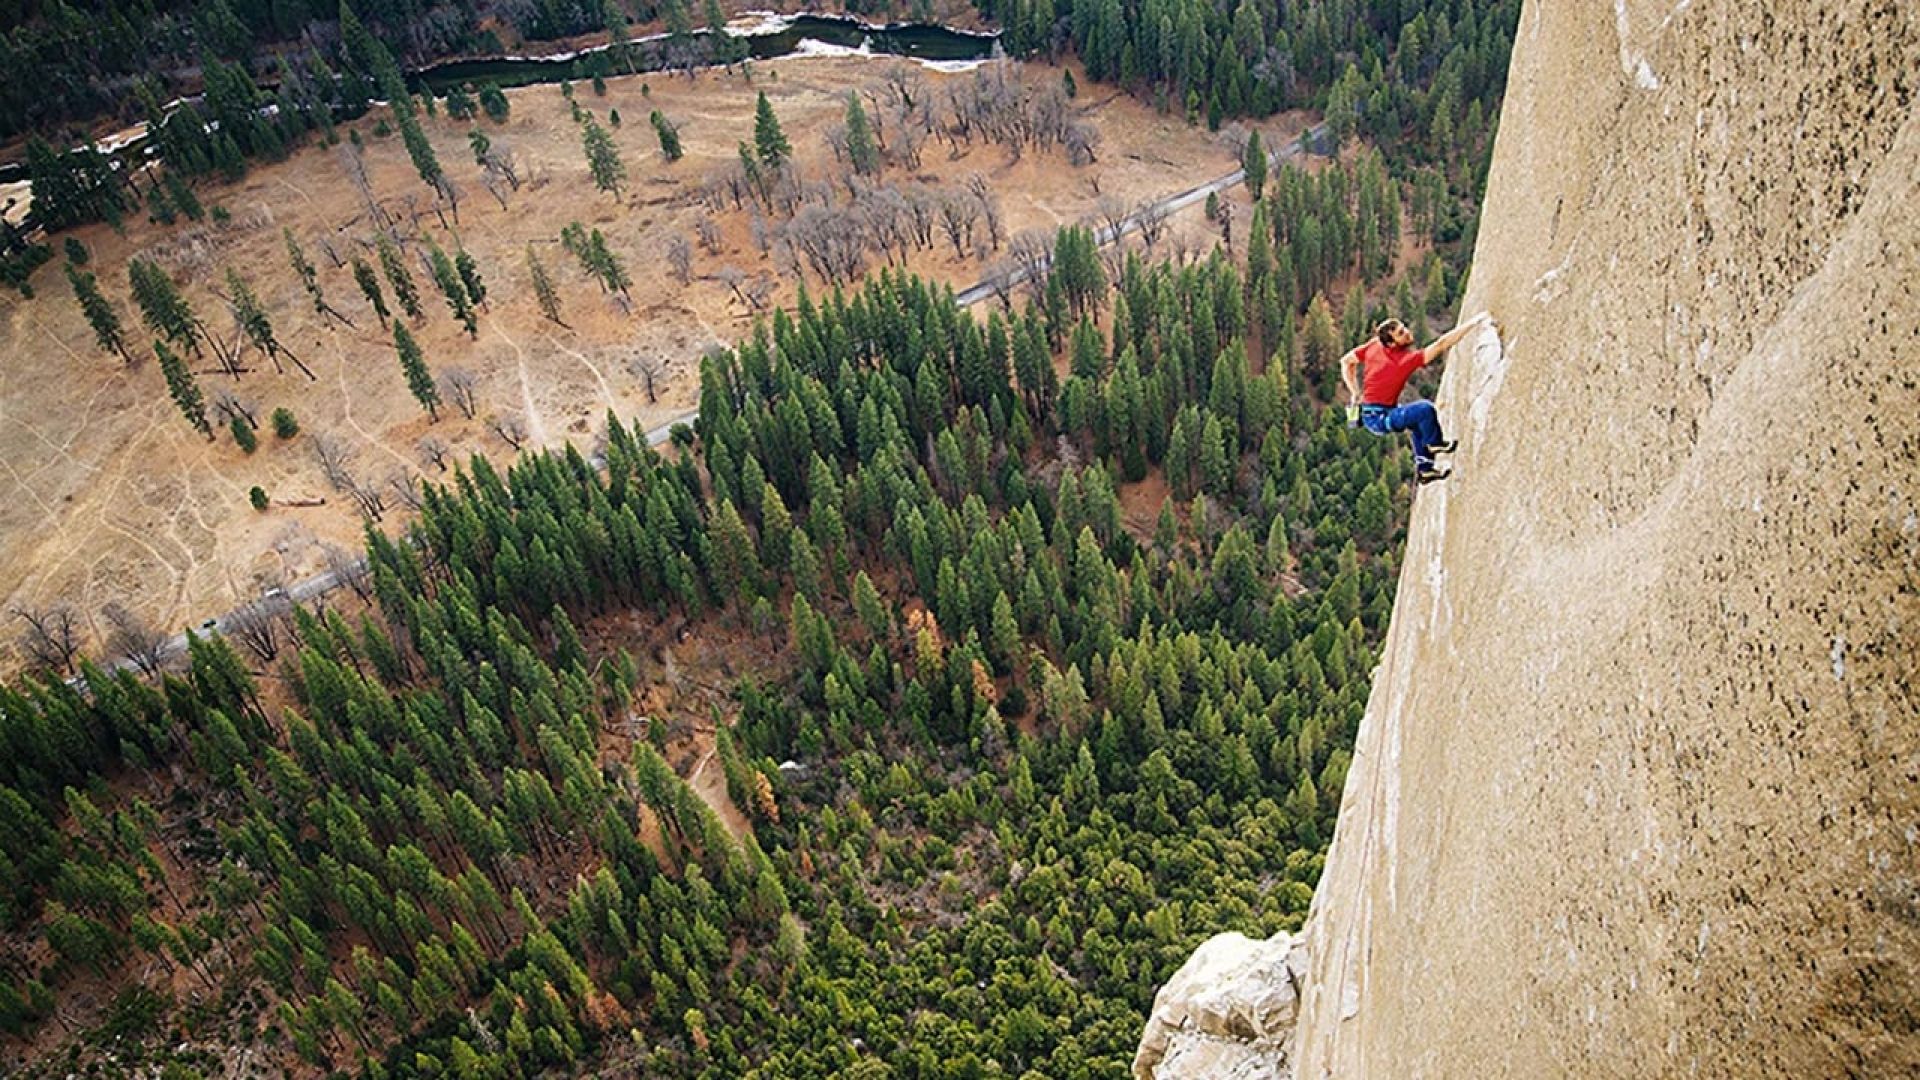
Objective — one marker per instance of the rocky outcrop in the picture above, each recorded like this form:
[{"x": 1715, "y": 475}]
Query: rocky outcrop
[
  {"x": 1228, "y": 1013},
  {"x": 1637, "y": 793}
]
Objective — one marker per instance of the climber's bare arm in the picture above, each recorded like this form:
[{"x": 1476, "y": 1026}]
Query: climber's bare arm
[
  {"x": 1452, "y": 337},
  {"x": 1349, "y": 367}
]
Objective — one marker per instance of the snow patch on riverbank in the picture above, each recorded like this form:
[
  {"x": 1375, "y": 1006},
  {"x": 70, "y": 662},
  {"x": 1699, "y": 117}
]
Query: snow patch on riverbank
[{"x": 808, "y": 48}]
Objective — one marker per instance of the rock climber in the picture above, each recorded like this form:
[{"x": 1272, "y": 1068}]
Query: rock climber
[{"x": 1390, "y": 359}]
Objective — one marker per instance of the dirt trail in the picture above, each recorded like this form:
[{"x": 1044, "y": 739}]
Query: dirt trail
[
  {"x": 605, "y": 390},
  {"x": 536, "y": 424},
  {"x": 711, "y": 786}
]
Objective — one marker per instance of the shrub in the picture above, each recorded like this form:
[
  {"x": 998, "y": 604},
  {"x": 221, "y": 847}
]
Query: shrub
[
  {"x": 76, "y": 251},
  {"x": 258, "y": 497},
  {"x": 284, "y": 425}
]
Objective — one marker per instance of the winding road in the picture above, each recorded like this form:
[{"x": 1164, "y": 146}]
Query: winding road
[{"x": 325, "y": 582}]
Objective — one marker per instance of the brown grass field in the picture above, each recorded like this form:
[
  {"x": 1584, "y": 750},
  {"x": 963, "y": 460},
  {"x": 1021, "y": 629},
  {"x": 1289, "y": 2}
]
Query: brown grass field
[{"x": 108, "y": 495}]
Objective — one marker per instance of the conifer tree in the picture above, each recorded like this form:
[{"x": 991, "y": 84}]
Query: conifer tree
[
  {"x": 101, "y": 317},
  {"x": 862, "y": 151},
  {"x": 603, "y": 158},
  {"x": 447, "y": 277},
  {"x": 669, "y": 134},
  {"x": 470, "y": 276},
  {"x": 161, "y": 306},
  {"x": 606, "y": 265},
  {"x": 494, "y": 103},
  {"x": 399, "y": 277},
  {"x": 543, "y": 290},
  {"x": 183, "y": 389},
  {"x": 1254, "y": 161},
  {"x": 768, "y": 140},
  {"x": 414, "y": 366},
  {"x": 369, "y": 283},
  {"x": 1319, "y": 340}
]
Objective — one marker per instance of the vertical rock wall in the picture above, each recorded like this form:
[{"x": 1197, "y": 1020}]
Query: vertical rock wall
[{"x": 1638, "y": 789}]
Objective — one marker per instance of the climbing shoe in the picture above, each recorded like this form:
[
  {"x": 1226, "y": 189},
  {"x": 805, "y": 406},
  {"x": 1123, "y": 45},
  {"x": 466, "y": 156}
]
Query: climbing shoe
[
  {"x": 1447, "y": 447},
  {"x": 1428, "y": 474}
]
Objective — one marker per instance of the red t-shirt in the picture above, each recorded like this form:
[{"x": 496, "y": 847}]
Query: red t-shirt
[{"x": 1386, "y": 371}]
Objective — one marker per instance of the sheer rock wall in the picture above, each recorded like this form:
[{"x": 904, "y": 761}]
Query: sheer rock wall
[{"x": 1638, "y": 789}]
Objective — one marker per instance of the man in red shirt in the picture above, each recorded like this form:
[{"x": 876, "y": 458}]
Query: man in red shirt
[{"x": 1389, "y": 360}]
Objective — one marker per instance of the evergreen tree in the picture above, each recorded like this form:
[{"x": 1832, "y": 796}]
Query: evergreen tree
[
  {"x": 1320, "y": 342},
  {"x": 399, "y": 277},
  {"x": 769, "y": 142},
  {"x": 447, "y": 276},
  {"x": 603, "y": 159},
  {"x": 185, "y": 392},
  {"x": 669, "y": 134},
  {"x": 494, "y": 103},
  {"x": 470, "y": 276},
  {"x": 543, "y": 290},
  {"x": 414, "y": 366},
  {"x": 1254, "y": 161},
  {"x": 369, "y": 283},
  {"x": 161, "y": 307},
  {"x": 862, "y": 151},
  {"x": 101, "y": 317}
]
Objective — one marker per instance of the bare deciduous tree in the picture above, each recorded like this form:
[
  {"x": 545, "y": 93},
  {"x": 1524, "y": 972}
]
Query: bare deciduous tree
[
  {"x": 256, "y": 626},
  {"x": 1000, "y": 279},
  {"x": 231, "y": 407},
  {"x": 1083, "y": 144},
  {"x": 1234, "y": 137},
  {"x": 957, "y": 212},
  {"x": 349, "y": 570},
  {"x": 680, "y": 259},
  {"x": 367, "y": 499},
  {"x": 334, "y": 457},
  {"x": 1032, "y": 255},
  {"x": 833, "y": 243},
  {"x": 989, "y": 203},
  {"x": 133, "y": 640},
  {"x": 498, "y": 163},
  {"x": 356, "y": 169},
  {"x": 434, "y": 452},
  {"x": 511, "y": 428},
  {"x": 647, "y": 368},
  {"x": 461, "y": 387},
  {"x": 708, "y": 232},
  {"x": 922, "y": 209},
  {"x": 1151, "y": 219},
  {"x": 332, "y": 251},
  {"x": 759, "y": 291},
  {"x": 405, "y": 485},
  {"x": 1111, "y": 210},
  {"x": 909, "y": 140},
  {"x": 51, "y": 637},
  {"x": 495, "y": 188}
]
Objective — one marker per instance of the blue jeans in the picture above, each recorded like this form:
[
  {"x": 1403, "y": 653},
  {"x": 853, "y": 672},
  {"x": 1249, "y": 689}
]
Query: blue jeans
[{"x": 1419, "y": 419}]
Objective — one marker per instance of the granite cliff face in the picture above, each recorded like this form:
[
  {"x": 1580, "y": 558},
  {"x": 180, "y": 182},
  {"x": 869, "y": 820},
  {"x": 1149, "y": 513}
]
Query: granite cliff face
[{"x": 1638, "y": 789}]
